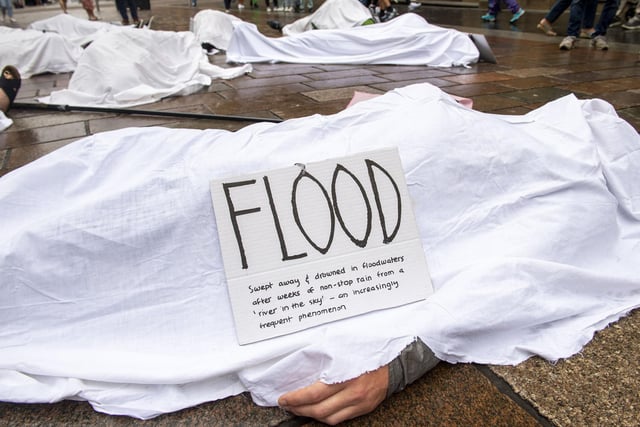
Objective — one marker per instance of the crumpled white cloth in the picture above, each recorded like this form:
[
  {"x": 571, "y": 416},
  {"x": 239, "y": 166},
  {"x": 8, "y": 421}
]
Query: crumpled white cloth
[
  {"x": 78, "y": 31},
  {"x": 5, "y": 121},
  {"x": 34, "y": 52},
  {"x": 214, "y": 26},
  {"x": 332, "y": 14},
  {"x": 113, "y": 289},
  {"x": 139, "y": 66},
  {"x": 405, "y": 40}
]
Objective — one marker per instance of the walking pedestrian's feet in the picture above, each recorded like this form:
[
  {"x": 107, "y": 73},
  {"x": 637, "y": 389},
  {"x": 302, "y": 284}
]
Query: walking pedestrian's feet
[
  {"x": 600, "y": 42},
  {"x": 546, "y": 28},
  {"x": 517, "y": 15},
  {"x": 568, "y": 43},
  {"x": 488, "y": 17},
  {"x": 586, "y": 33},
  {"x": 616, "y": 22},
  {"x": 632, "y": 24}
]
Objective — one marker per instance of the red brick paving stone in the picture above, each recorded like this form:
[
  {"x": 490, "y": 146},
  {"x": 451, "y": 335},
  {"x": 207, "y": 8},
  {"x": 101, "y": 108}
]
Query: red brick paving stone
[
  {"x": 20, "y": 156},
  {"x": 325, "y": 108},
  {"x": 603, "y": 86},
  {"x": 233, "y": 411},
  {"x": 396, "y": 84},
  {"x": 537, "y": 72},
  {"x": 631, "y": 115},
  {"x": 492, "y": 103},
  {"x": 21, "y": 138},
  {"x": 45, "y": 119},
  {"x": 274, "y": 70},
  {"x": 399, "y": 75},
  {"x": 123, "y": 121},
  {"x": 471, "y": 90},
  {"x": 348, "y": 81},
  {"x": 479, "y": 78},
  {"x": 390, "y": 69},
  {"x": 339, "y": 74},
  {"x": 531, "y": 82},
  {"x": 248, "y": 82},
  {"x": 345, "y": 93},
  {"x": 632, "y": 71},
  {"x": 518, "y": 111},
  {"x": 538, "y": 95},
  {"x": 251, "y": 94},
  {"x": 621, "y": 99},
  {"x": 449, "y": 395}
]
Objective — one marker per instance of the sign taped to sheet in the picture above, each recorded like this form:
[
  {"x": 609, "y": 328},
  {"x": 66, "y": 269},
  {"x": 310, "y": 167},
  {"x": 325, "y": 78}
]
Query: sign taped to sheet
[{"x": 315, "y": 243}]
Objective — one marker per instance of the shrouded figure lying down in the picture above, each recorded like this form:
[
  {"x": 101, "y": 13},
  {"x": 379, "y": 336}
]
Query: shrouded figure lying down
[{"x": 114, "y": 289}]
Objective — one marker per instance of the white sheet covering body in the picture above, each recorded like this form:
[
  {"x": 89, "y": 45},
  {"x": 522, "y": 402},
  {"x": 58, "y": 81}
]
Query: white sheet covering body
[
  {"x": 34, "y": 52},
  {"x": 78, "y": 31},
  {"x": 405, "y": 40},
  {"x": 214, "y": 26},
  {"x": 113, "y": 288},
  {"x": 138, "y": 66},
  {"x": 332, "y": 14}
]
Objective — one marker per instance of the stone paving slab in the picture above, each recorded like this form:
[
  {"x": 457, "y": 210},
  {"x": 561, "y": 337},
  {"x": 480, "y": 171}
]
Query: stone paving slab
[{"x": 599, "y": 386}]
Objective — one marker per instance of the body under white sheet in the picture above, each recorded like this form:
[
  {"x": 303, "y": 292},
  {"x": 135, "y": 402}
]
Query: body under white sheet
[{"x": 114, "y": 290}]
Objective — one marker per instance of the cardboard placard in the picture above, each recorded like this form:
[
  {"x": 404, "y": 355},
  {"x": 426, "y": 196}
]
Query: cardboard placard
[{"x": 315, "y": 243}]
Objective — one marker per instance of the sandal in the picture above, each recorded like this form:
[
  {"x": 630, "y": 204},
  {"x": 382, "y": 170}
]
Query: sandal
[{"x": 545, "y": 27}]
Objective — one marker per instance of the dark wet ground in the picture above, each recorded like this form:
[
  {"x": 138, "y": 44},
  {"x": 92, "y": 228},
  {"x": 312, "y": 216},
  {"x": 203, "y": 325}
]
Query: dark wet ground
[{"x": 597, "y": 387}]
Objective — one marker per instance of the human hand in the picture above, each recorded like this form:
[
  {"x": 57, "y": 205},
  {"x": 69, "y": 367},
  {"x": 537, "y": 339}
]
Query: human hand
[{"x": 334, "y": 403}]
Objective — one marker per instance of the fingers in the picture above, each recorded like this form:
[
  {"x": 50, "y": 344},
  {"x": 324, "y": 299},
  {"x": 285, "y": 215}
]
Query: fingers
[{"x": 334, "y": 403}]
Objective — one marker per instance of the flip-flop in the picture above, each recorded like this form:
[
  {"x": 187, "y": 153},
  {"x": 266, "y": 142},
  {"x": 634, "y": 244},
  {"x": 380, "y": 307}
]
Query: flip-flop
[{"x": 546, "y": 28}]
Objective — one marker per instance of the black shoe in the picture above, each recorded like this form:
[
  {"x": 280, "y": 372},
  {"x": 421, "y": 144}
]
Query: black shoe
[{"x": 276, "y": 25}]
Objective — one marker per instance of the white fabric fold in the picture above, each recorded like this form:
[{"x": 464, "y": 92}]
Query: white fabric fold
[
  {"x": 214, "y": 26},
  {"x": 332, "y": 14},
  {"x": 405, "y": 40},
  {"x": 78, "y": 31},
  {"x": 138, "y": 66},
  {"x": 34, "y": 52},
  {"x": 113, "y": 289}
]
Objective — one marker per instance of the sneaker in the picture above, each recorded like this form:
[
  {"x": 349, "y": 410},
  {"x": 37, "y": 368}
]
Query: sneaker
[
  {"x": 240, "y": 6},
  {"x": 632, "y": 24},
  {"x": 617, "y": 21},
  {"x": 413, "y": 5},
  {"x": 600, "y": 43},
  {"x": 276, "y": 25},
  {"x": 517, "y": 15},
  {"x": 268, "y": 9},
  {"x": 388, "y": 14},
  {"x": 568, "y": 43},
  {"x": 488, "y": 17}
]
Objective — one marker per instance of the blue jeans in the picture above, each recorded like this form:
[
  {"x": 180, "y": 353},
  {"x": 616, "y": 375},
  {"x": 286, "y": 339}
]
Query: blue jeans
[
  {"x": 577, "y": 12},
  {"x": 121, "y": 5},
  {"x": 560, "y": 6}
]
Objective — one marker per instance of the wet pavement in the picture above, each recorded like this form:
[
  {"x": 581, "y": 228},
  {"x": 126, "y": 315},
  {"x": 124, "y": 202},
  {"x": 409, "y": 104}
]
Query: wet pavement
[{"x": 599, "y": 386}]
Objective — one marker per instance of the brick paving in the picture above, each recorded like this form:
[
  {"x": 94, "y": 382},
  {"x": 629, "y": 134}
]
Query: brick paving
[{"x": 531, "y": 71}]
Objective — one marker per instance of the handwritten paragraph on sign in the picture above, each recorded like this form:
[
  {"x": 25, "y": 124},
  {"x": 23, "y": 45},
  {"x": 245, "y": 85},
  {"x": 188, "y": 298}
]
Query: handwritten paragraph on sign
[{"x": 317, "y": 243}]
